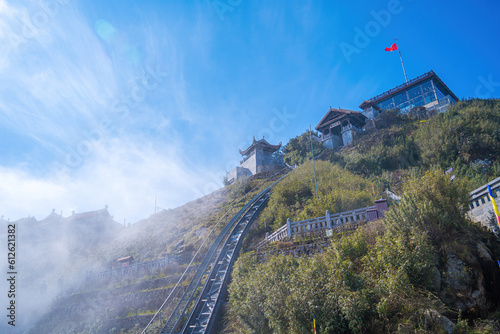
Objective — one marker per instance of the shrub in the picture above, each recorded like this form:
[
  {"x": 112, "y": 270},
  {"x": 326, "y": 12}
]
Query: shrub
[
  {"x": 295, "y": 197},
  {"x": 298, "y": 149},
  {"x": 434, "y": 203}
]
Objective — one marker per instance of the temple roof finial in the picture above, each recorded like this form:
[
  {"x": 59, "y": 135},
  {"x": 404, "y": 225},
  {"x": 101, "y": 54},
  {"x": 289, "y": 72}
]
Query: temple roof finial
[{"x": 262, "y": 143}]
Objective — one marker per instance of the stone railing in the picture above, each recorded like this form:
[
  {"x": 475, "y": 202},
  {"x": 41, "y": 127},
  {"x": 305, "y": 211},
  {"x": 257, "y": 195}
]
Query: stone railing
[
  {"x": 327, "y": 222},
  {"x": 479, "y": 209},
  {"x": 277, "y": 235},
  {"x": 480, "y": 205}
]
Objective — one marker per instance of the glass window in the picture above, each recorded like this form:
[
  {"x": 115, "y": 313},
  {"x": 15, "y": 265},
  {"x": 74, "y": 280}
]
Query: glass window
[
  {"x": 429, "y": 97},
  {"x": 404, "y": 107},
  {"x": 400, "y": 98},
  {"x": 415, "y": 92},
  {"x": 439, "y": 93},
  {"x": 386, "y": 105},
  {"x": 427, "y": 87},
  {"x": 419, "y": 101}
]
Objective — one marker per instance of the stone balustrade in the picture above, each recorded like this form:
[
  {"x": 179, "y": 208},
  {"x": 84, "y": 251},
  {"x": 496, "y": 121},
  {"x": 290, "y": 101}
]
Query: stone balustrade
[
  {"x": 479, "y": 209},
  {"x": 328, "y": 221},
  {"x": 277, "y": 235},
  {"x": 480, "y": 206}
]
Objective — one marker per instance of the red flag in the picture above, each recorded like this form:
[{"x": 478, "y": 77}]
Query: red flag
[{"x": 393, "y": 47}]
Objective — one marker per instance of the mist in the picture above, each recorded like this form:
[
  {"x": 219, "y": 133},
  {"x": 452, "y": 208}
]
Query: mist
[{"x": 127, "y": 176}]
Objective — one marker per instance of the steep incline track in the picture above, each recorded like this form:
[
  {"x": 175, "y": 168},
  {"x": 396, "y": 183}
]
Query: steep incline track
[
  {"x": 202, "y": 317},
  {"x": 216, "y": 265}
]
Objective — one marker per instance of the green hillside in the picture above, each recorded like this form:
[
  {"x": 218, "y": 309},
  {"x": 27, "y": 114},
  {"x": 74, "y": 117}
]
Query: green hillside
[
  {"x": 466, "y": 138},
  {"x": 415, "y": 270},
  {"x": 410, "y": 272}
]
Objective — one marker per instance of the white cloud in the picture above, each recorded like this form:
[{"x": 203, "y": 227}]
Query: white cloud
[
  {"x": 60, "y": 84},
  {"x": 56, "y": 79},
  {"x": 123, "y": 174}
]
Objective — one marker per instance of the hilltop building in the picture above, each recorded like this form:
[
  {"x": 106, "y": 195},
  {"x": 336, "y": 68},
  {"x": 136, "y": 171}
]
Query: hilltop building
[
  {"x": 99, "y": 222},
  {"x": 427, "y": 91},
  {"x": 93, "y": 223},
  {"x": 259, "y": 157},
  {"x": 339, "y": 126},
  {"x": 52, "y": 219},
  {"x": 424, "y": 93},
  {"x": 96, "y": 218}
]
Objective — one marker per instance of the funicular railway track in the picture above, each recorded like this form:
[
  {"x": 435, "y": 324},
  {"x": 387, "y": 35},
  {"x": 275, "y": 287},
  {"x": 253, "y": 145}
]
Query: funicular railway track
[
  {"x": 215, "y": 267},
  {"x": 208, "y": 264},
  {"x": 202, "y": 317}
]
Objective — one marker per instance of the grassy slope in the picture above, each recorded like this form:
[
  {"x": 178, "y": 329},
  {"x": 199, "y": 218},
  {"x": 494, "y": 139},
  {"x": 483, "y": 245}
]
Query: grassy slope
[{"x": 348, "y": 287}]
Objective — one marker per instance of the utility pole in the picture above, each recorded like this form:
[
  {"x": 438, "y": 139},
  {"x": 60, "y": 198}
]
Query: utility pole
[{"x": 314, "y": 166}]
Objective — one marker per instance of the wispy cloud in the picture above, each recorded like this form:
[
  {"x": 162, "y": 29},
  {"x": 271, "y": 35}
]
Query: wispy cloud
[
  {"x": 57, "y": 80},
  {"x": 124, "y": 174},
  {"x": 68, "y": 78}
]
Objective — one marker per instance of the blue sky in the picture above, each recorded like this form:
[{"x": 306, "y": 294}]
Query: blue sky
[{"x": 116, "y": 102}]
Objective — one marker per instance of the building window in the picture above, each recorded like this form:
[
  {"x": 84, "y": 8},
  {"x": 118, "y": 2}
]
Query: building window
[
  {"x": 415, "y": 92},
  {"x": 404, "y": 107},
  {"x": 400, "y": 98},
  {"x": 386, "y": 105},
  {"x": 419, "y": 101},
  {"x": 429, "y": 97},
  {"x": 439, "y": 93},
  {"x": 427, "y": 87}
]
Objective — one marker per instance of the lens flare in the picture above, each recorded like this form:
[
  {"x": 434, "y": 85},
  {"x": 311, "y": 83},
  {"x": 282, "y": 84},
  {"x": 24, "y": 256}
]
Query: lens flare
[{"x": 105, "y": 30}]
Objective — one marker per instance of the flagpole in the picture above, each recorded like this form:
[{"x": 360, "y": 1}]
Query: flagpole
[
  {"x": 404, "y": 71},
  {"x": 402, "y": 64}
]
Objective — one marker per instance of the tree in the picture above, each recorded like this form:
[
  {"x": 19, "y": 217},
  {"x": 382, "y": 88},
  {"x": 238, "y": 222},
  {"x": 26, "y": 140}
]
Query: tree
[{"x": 298, "y": 149}]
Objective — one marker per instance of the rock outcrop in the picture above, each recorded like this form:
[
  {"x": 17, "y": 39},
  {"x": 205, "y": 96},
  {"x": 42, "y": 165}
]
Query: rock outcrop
[{"x": 468, "y": 281}]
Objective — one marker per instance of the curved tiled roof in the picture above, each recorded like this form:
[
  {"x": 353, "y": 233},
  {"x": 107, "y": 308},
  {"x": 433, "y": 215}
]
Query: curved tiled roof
[
  {"x": 334, "y": 115},
  {"x": 262, "y": 143}
]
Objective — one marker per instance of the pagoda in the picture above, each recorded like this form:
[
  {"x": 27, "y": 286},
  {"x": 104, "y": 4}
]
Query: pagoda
[{"x": 259, "y": 157}]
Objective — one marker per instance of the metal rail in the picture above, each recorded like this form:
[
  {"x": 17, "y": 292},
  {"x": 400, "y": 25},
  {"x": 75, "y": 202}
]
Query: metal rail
[
  {"x": 184, "y": 300},
  {"x": 177, "y": 318},
  {"x": 202, "y": 317},
  {"x": 179, "y": 315}
]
